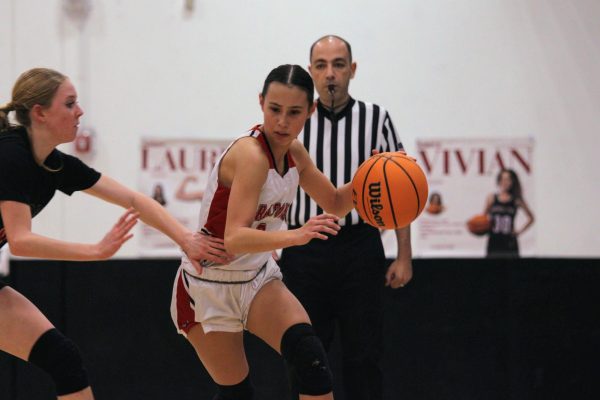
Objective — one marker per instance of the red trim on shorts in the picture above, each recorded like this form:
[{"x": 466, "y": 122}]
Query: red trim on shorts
[{"x": 185, "y": 312}]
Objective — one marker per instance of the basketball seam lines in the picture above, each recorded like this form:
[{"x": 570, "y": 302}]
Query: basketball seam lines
[
  {"x": 389, "y": 192},
  {"x": 363, "y": 189},
  {"x": 412, "y": 183}
]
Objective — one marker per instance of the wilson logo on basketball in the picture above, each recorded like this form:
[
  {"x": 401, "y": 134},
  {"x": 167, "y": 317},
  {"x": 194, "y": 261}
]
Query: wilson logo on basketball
[{"x": 375, "y": 202}]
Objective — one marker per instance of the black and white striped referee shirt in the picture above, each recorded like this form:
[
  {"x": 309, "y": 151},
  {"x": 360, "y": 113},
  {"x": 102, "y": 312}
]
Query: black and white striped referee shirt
[{"x": 339, "y": 145}]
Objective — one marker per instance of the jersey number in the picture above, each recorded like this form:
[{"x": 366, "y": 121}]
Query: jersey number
[{"x": 502, "y": 224}]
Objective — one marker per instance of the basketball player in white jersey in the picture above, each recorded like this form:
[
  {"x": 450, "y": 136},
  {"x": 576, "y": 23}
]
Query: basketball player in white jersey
[{"x": 245, "y": 202}]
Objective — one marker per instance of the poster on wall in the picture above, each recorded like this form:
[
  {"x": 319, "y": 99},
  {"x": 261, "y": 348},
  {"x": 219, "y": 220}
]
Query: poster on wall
[
  {"x": 481, "y": 199},
  {"x": 481, "y": 195},
  {"x": 174, "y": 172}
]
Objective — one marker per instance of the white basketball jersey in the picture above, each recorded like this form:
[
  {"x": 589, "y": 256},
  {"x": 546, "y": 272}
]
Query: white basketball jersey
[{"x": 275, "y": 199}]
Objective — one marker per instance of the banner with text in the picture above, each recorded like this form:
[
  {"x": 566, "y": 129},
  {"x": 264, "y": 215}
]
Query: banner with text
[
  {"x": 174, "y": 172},
  {"x": 464, "y": 182},
  {"x": 469, "y": 212}
]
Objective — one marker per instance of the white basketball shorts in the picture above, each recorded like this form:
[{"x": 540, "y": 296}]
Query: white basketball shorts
[{"x": 217, "y": 299}]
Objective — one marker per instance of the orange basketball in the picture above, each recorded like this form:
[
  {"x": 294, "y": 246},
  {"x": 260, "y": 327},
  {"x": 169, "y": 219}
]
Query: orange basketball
[
  {"x": 479, "y": 225},
  {"x": 389, "y": 190}
]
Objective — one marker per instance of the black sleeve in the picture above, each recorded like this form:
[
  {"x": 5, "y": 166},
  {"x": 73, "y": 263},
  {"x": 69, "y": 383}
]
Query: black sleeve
[
  {"x": 75, "y": 175},
  {"x": 14, "y": 173}
]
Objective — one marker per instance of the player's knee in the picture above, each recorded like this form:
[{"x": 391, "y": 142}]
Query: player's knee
[
  {"x": 240, "y": 391},
  {"x": 60, "y": 358},
  {"x": 307, "y": 360}
]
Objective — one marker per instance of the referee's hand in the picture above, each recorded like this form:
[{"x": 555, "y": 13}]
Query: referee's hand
[{"x": 399, "y": 273}]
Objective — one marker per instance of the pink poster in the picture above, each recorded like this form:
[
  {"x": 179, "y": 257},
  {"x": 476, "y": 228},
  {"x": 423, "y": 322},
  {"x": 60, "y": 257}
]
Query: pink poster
[
  {"x": 481, "y": 199},
  {"x": 174, "y": 172}
]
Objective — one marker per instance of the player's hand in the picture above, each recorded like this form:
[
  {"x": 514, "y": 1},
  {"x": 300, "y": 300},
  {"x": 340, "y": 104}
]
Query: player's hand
[
  {"x": 316, "y": 228},
  {"x": 399, "y": 273},
  {"x": 119, "y": 234},
  {"x": 200, "y": 246}
]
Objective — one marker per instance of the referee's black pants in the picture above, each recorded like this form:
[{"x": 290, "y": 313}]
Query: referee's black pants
[{"x": 341, "y": 280}]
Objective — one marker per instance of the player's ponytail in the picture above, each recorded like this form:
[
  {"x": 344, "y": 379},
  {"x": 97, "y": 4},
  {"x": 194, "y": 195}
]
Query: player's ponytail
[
  {"x": 4, "y": 110},
  {"x": 35, "y": 86}
]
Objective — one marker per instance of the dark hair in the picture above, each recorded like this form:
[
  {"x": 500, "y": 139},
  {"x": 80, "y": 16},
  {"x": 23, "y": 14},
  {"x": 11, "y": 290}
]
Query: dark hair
[
  {"x": 295, "y": 75},
  {"x": 515, "y": 188},
  {"x": 331, "y": 36},
  {"x": 35, "y": 86},
  {"x": 435, "y": 195}
]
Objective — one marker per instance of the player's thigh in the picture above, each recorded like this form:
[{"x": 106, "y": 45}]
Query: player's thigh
[
  {"x": 273, "y": 310},
  {"x": 221, "y": 353},
  {"x": 21, "y": 323}
]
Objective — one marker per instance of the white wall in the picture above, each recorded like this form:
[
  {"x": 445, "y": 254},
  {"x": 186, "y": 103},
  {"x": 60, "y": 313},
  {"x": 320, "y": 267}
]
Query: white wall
[{"x": 445, "y": 68}]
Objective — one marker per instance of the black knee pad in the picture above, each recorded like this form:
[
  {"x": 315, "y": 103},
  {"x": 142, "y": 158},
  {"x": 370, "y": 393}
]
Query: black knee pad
[
  {"x": 241, "y": 391},
  {"x": 306, "y": 360},
  {"x": 60, "y": 358}
]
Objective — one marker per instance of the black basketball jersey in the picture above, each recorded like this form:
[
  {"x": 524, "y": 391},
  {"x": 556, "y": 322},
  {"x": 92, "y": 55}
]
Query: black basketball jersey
[
  {"x": 502, "y": 216},
  {"x": 502, "y": 241},
  {"x": 24, "y": 181}
]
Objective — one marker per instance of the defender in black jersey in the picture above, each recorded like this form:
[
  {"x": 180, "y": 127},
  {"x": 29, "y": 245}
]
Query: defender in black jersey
[
  {"x": 502, "y": 208},
  {"x": 340, "y": 281},
  {"x": 31, "y": 171}
]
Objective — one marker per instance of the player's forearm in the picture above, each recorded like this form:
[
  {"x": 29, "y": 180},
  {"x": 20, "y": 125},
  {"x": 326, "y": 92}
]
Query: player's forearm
[
  {"x": 34, "y": 245},
  {"x": 155, "y": 215},
  {"x": 525, "y": 227},
  {"x": 250, "y": 240},
  {"x": 340, "y": 203}
]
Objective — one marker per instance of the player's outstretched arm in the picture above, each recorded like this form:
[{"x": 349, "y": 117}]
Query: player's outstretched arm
[
  {"x": 23, "y": 242},
  {"x": 155, "y": 215}
]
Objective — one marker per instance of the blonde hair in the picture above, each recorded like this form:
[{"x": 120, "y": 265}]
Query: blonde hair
[{"x": 35, "y": 86}]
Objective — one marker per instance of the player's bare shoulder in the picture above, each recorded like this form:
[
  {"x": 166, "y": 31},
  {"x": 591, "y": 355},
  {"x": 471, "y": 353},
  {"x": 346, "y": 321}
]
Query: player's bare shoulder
[
  {"x": 247, "y": 151},
  {"x": 244, "y": 156}
]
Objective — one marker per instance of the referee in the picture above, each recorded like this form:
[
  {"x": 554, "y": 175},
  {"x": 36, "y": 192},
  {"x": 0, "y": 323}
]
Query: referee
[{"x": 340, "y": 281}]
